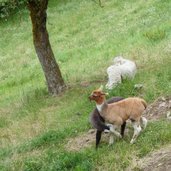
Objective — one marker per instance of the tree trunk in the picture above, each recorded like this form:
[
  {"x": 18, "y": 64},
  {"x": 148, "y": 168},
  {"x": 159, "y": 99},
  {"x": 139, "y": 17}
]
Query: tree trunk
[{"x": 43, "y": 48}]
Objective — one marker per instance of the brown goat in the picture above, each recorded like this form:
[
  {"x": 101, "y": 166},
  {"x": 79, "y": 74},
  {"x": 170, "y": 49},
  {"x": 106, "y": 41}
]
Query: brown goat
[
  {"x": 117, "y": 113},
  {"x": 99, "y": 123}
]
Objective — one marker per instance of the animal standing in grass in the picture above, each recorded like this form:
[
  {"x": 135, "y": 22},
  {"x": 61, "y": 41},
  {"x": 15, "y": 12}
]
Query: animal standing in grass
[
  {"x": 99, "y": 123},
  {"x": 120, "y": 70},
  {"x": 117, "y": 113}
]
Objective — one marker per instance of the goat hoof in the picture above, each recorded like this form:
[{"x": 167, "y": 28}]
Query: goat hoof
[
  {"x": 132, "y": 141},
  {"x": 106, "y": 131}
]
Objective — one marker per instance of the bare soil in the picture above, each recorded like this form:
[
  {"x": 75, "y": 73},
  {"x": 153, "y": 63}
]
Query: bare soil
[
  {"x": 82, "y": 141},
  {"x": 85, "y": 140},
  {"x": 159, "y": 160},
  {"x": 160, "y": 108}
]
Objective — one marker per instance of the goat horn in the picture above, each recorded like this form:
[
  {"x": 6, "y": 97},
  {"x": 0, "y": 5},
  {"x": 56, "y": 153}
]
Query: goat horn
[{"x": 101, "y": 87}]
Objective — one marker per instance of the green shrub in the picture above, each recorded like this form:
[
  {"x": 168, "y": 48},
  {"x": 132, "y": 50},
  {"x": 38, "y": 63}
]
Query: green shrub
[
  {"x": 155, "y": 34},
  {"x": 6, "y": 6}
]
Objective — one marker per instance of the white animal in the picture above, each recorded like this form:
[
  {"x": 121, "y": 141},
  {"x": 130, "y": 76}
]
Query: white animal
[
  {"x": 121, "y": 69},
  {"x": 114, "y": 76},
  {"x": 128, "y": 68}
]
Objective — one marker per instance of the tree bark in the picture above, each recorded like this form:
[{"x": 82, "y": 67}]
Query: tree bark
[{"x": 43, "y": 48}]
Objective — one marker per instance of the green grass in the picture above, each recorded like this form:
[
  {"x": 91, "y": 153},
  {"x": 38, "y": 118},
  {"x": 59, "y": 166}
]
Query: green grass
[{"x": 35, "y": 127}]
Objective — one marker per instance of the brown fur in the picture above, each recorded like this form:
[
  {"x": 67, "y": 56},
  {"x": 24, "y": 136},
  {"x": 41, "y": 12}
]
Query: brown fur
[{"x": 117, "y": 113}]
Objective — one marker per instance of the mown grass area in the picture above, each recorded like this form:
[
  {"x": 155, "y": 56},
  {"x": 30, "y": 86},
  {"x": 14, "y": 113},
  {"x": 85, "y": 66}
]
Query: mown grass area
[{"x": 35, "y": 127}]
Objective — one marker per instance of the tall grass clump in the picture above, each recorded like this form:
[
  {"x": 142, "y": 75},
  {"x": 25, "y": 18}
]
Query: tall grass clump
[{"x": 155, "y": 34}]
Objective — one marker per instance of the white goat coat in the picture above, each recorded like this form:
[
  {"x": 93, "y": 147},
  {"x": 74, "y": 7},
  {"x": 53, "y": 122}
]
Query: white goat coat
[{"x": 122, "y": 69}]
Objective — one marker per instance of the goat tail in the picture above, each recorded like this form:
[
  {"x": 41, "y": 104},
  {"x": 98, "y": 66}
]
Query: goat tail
[{"x": 144, "y": 103}]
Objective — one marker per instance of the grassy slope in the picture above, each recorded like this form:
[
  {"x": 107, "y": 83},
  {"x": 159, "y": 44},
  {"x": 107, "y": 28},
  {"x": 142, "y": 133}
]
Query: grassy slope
[{"x": 35, "y": 127}]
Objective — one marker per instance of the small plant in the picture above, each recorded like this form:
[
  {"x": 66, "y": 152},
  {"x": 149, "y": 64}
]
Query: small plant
[
  {"x": 7, "y": 5},
  {"x": 155, "y": 34}
]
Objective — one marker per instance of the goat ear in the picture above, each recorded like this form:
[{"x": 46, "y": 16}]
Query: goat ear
[
  {"x": 107, "y": 94},
  {"x": 101, "y": 88}
]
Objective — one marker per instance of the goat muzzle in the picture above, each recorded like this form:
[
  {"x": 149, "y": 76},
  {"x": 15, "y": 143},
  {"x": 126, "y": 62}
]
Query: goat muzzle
[{"x": 90, "y": 98}]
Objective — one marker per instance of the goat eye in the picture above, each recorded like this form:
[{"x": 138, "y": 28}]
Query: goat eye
[{"x": 95, "y": 95}]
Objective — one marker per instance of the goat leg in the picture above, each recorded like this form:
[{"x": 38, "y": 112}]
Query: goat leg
[
  {"x": 98, "y": 137},
  {"x": 123, "y": 129}
]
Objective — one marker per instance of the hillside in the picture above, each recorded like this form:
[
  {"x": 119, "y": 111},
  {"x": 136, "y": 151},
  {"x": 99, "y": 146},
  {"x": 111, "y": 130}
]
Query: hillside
[{"x": 35, "y": 127}]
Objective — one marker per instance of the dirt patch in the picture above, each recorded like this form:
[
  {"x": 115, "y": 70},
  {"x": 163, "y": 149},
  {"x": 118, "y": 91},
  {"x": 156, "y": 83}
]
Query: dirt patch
[
  {"x": 88, "y": 139},
  {"x": 85, "y": 140},
  {"x": 82, "y": 141},
  {"x": 159, "y": 160},
  {"x": 160, "y": 108}
]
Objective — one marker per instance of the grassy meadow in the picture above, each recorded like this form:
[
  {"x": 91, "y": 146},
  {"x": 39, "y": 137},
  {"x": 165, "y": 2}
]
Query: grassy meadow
[{"x": 35, "y": 127}]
